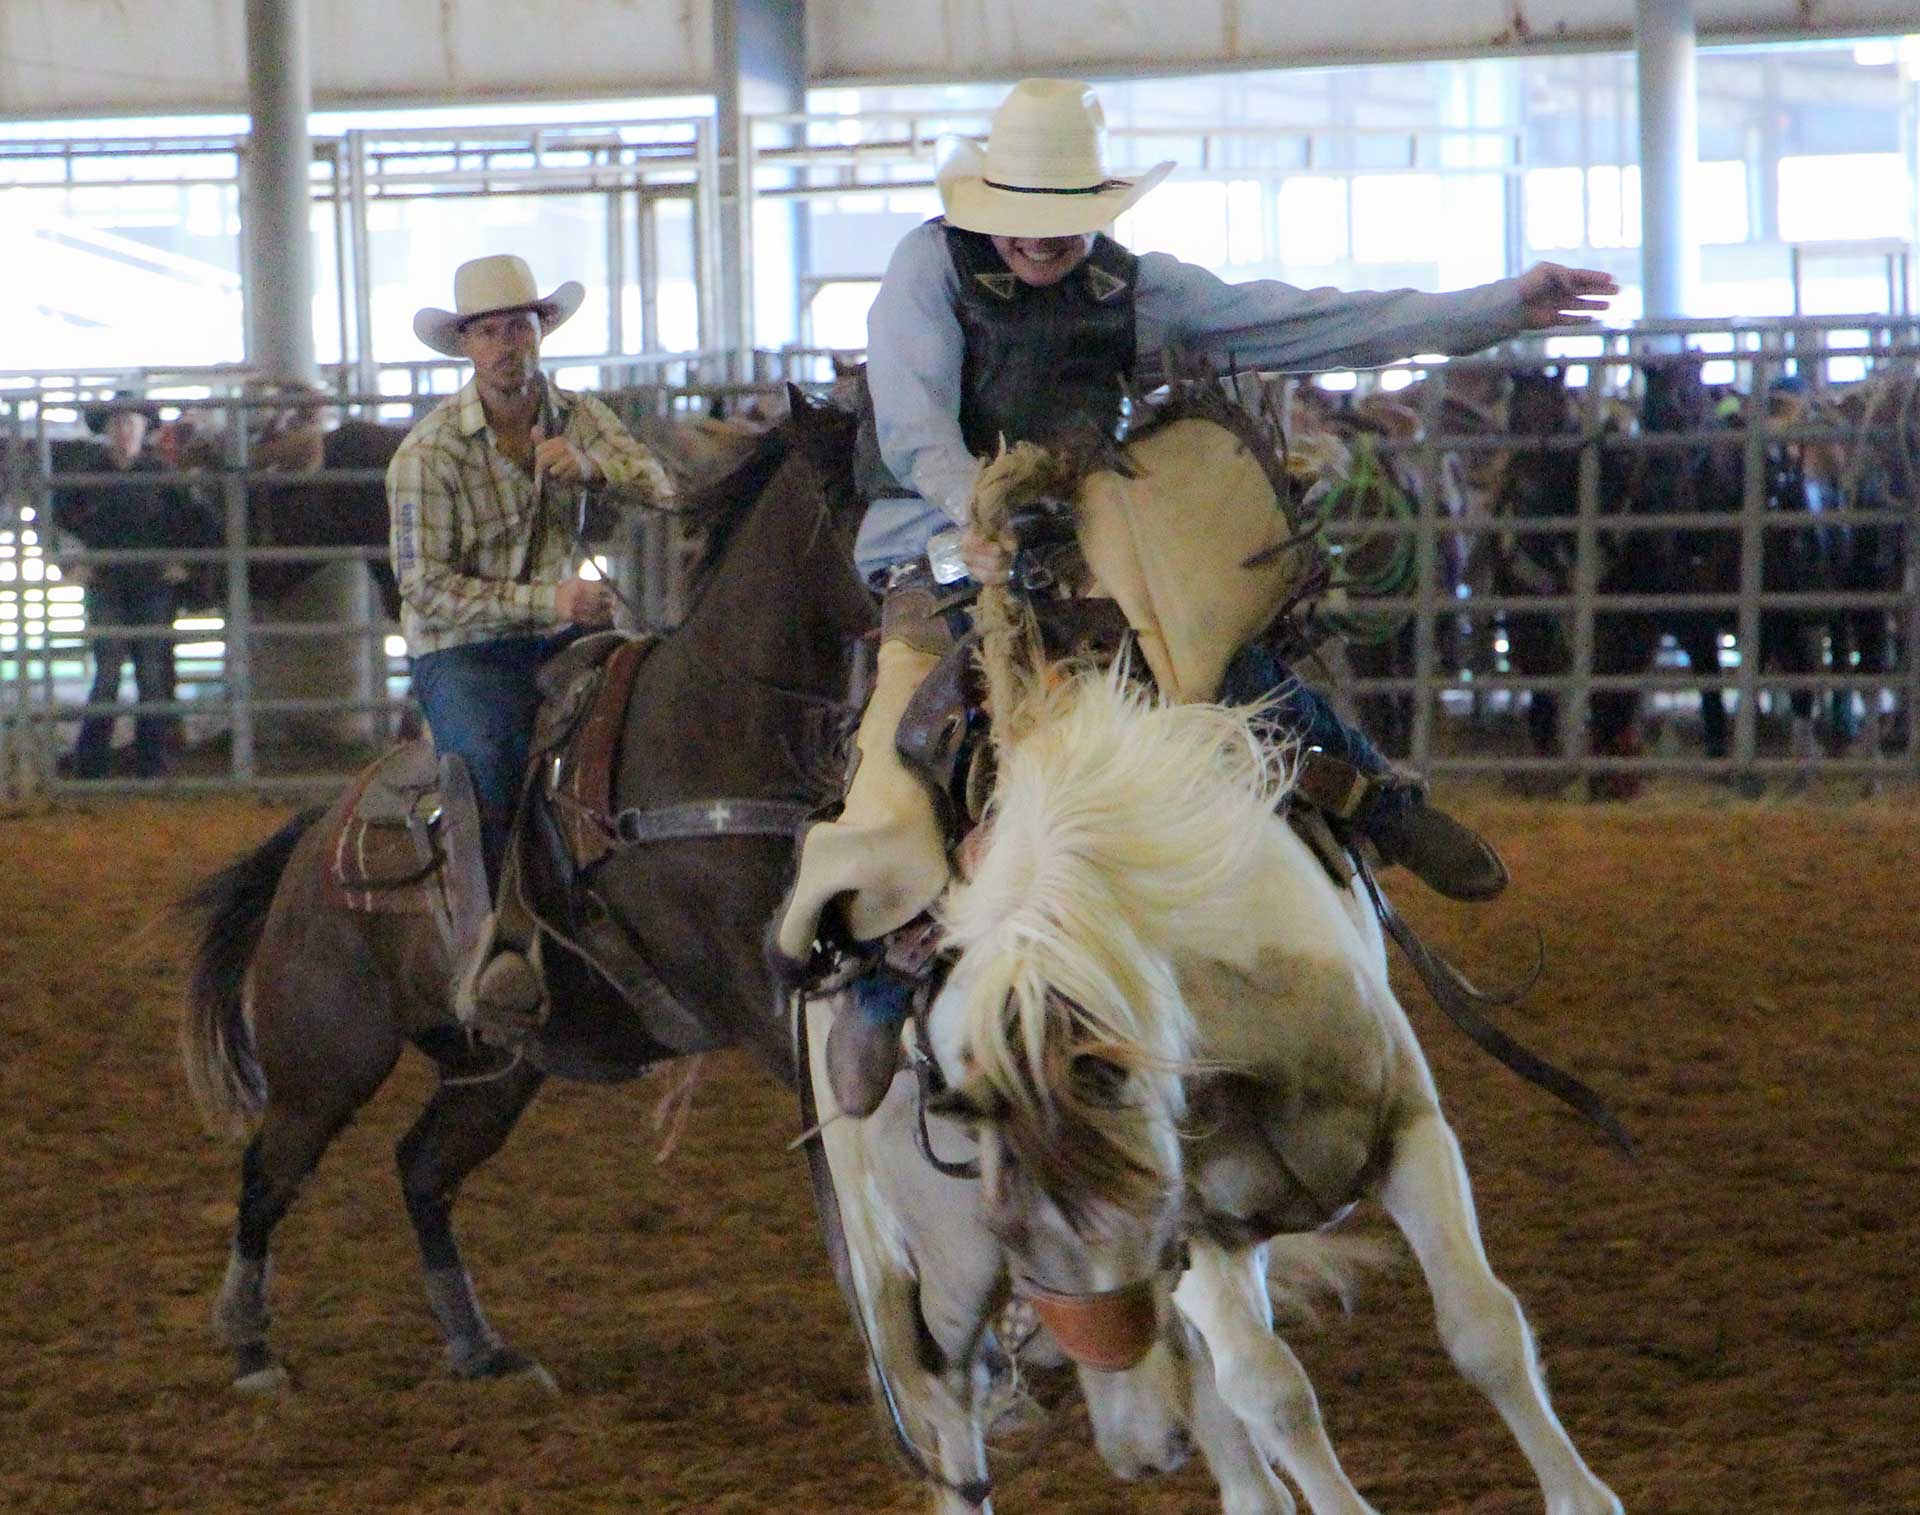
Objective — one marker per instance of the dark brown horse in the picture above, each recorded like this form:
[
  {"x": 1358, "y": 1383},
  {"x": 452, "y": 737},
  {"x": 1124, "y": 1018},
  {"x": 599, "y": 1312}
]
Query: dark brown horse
[
  {"x": 309, "y": 512},
  {"x": 299, "y": 1011}
]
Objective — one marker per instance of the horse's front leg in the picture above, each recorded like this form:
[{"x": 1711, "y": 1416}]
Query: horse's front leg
[
  {"x": 1427, "y": 1193},
  {"x": 1224, "y": 1294},
  {"x": 1240, "y": 1470},
  {"x": 921, "y": 1273},
  {"x": 465, "y": 1123}
]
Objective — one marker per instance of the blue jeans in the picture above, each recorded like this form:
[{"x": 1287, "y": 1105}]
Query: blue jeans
[
  {"x": 116, "y": 602},
  {"x": 480, "y": 701},
  {"x": 1302, "y": 713}
]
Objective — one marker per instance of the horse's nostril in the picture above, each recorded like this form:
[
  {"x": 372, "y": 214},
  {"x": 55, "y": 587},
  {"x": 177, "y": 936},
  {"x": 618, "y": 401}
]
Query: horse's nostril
[{"x": 1179, "y": 1449}]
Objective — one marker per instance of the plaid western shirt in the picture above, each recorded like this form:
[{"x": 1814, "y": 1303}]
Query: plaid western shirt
[{"x": 477, "y": 556}]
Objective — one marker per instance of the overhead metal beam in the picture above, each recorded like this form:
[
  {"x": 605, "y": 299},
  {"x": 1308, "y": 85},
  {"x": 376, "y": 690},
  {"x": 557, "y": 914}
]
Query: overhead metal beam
[{"x": 101, "y": 57}]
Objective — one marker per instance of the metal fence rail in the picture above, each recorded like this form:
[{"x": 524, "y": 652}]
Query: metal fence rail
[{"x": 1459, "y": 708}]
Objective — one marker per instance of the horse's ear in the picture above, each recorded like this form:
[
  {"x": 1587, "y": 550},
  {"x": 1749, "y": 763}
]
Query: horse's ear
[{"x": 975, "y": 1102}]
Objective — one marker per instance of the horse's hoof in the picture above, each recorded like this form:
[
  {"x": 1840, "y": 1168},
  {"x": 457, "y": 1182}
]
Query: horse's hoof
[
  {"x": 504, "y": 1362},
  {"x": 272, "y": 1379}
]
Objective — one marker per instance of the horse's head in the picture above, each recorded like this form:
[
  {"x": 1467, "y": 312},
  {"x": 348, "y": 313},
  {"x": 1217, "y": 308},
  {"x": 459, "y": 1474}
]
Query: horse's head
[
  {"x": 1081, "y": 1182},
  {"x": 1124, "y": 831},
  {"x": 824, "y": 433},
  {"x": 1537, "y": 405},
  {"x": 1676, "y": 396}
]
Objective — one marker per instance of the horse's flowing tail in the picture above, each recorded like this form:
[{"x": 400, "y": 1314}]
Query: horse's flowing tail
[{"x": 226, "y": 1082}]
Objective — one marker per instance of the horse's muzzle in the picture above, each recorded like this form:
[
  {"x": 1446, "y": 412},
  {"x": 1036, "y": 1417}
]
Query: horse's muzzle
[{"x": 1108, "y": 1332}]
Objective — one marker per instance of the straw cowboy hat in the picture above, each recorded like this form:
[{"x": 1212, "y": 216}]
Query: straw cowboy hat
[
  {"x": 1043, "y": 171},
  {"x": 486, "y": 286}
]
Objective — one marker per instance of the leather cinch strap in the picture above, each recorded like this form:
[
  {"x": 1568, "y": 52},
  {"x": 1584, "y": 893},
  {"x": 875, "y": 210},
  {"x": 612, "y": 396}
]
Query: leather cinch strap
[{"x": 722, "y": 817}]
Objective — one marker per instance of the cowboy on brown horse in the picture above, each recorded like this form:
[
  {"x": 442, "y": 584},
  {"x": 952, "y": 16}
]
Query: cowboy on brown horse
[
  {"x": 1014, "y": 318},
  {"x": 488, "y": 527}
]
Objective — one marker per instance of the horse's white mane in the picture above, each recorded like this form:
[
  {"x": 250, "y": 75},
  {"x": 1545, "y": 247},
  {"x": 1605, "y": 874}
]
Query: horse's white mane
[{"x": 1119, "y": 821}]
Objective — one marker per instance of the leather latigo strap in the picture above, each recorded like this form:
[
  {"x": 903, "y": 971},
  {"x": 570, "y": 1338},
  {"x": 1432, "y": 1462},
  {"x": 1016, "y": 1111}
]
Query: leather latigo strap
[{"x": 586, "y": 783}]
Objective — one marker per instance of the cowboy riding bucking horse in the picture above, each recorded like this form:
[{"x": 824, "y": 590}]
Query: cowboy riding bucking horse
[{"x": 1015, "y": 318}]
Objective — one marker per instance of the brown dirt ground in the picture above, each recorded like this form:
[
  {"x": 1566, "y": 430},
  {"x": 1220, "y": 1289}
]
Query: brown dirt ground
[{"x": 1729, "y": 1324}]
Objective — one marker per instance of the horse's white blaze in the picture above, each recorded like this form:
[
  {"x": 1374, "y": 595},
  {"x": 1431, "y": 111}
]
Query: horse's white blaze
[{"x": 883, "y": 1281}]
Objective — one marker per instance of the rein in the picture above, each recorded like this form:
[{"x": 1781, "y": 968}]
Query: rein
[{"x": 1456, "y": 995}]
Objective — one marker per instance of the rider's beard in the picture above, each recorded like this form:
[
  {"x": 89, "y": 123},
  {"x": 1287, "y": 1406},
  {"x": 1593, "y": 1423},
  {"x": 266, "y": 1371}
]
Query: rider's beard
[{"x": 511, "y": 377}]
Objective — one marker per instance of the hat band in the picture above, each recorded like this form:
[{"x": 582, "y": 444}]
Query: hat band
[{"x": 1027, "y": 189}]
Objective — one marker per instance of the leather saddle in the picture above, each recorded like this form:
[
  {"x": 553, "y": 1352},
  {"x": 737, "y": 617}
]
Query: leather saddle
[
  {"x": 942, "y": 736},
  {"x": 407, "y": 839}
]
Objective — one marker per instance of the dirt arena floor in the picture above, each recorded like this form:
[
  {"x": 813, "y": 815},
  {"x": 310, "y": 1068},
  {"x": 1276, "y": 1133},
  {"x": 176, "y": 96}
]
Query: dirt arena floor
[{"x": 1729, "y": 1325}]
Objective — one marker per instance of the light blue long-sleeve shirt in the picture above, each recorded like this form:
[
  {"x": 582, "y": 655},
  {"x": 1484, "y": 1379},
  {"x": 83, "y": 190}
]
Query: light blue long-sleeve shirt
[{"x": 916, "y": 348}]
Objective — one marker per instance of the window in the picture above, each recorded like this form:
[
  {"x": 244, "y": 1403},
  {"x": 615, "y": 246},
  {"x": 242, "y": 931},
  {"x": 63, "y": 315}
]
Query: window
[
  {"x": 1397, "y": 218},
  {"x": 1555, "y": 215},
  {"x": 1720, "y": 202},
  {"x": 1313, "y": 220},
  {"x": 1210, "y": 222},
  {"x": 1836, "y": 197},
  {"x": 1613, "y": 205}
]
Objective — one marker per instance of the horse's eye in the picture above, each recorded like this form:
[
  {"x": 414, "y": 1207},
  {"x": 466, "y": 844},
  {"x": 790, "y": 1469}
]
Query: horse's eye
[{"x": 1098, "y": 1080}]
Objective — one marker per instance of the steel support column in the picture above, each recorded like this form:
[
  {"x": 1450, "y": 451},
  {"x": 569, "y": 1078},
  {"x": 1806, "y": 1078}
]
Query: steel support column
[
  {"x": 759, "y": 67},
  {"x": 276, "y": 214},
  {"x": 276, "y": 218},
  {"x": 1669, "y": 145}
]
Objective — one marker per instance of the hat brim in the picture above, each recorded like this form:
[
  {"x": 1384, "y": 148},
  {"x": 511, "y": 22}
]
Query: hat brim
[
  {"x": 440, "y": 329},
  {"x": 97, "y": 416},
  {"x": 972, "y": 204}
]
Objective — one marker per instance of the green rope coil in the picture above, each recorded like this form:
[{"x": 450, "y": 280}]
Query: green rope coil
[{"x": 1383, "y": 565}]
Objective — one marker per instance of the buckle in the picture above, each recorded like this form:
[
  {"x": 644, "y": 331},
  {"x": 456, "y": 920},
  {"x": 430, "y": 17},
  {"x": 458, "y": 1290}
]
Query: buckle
[{"x": 1331, "y": 784}]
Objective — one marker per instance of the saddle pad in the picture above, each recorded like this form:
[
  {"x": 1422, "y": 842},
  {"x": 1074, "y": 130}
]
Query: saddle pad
[
  {"x": 377, "y": 860},
  {"x": 580, "y": 782}
]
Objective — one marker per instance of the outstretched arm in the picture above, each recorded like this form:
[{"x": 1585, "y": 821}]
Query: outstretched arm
[{"x": 1263, "y": 323}]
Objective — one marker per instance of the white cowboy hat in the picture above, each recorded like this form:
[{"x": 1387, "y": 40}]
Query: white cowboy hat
[
  {"x": 486, "y": 285},
  {"x": 1043, "y": 172}
]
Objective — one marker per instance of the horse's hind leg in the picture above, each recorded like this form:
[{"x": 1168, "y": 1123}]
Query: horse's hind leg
[
  {"x": 464, "y": 1124},
  {"x": 294, "y": 1133},
  {"x": 1427, "y": 1193},
  {"x": 1224, "y": 1295}
]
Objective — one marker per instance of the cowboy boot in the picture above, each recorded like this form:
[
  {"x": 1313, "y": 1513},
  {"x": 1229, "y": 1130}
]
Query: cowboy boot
[
  {"x": 500, "y": 993},
  {"x": 863, "y": 1043},
  {"x": 1392, "y": 813}
]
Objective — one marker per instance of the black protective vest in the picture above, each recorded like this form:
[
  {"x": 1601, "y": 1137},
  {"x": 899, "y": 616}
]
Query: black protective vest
[{"x": 1040, "y": 363}]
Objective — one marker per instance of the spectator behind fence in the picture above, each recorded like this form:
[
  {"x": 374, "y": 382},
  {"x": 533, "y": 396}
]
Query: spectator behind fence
[{"x": 104, "y": 517}]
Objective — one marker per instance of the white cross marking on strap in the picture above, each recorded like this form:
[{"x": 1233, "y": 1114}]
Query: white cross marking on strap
[{"x": 720, "y": 814}]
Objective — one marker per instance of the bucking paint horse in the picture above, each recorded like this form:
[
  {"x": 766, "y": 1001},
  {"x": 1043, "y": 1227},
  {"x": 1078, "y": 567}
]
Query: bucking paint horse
[{"x": 1172, "y": 1039}]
